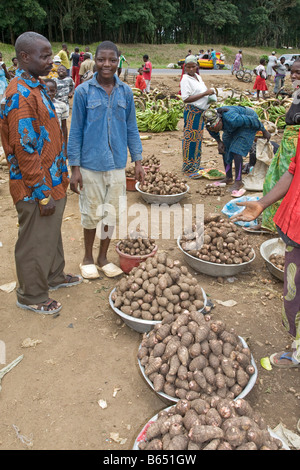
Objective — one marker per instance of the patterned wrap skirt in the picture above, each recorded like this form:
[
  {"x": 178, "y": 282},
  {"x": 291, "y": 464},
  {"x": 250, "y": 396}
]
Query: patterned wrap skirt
[
  {"x": 192, "y": 139},
  {"x": 291, "y": 296},
  {"x": 279, "y": 165},
  {"x": 291, "y": 292}
]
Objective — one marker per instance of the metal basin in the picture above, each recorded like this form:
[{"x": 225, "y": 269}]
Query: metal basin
[
  {"x": 161, "y": 199},
  {"x": 269, "y": 247},
  {"x": 213, "y": 269}
]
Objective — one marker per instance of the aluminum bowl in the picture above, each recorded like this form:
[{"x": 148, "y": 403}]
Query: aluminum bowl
[
  {"x": 269, "y": 247},
  {"x": 161, "y": 199},
  {"x": 138, "y": 324},
  {"x": 244, "y": 392},
  {"x": 213, "y": 269}
]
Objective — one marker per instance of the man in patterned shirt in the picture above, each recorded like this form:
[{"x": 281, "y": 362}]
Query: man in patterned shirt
[{"x": 33, "y": 144}]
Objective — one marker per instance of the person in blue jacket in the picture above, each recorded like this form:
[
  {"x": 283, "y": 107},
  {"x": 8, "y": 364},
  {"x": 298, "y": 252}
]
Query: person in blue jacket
[
  {"x": 103, "y": 128},
  {"x": 239, "y": 125}
]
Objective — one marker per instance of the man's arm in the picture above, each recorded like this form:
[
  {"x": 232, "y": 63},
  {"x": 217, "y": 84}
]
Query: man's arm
[
  {"x": 21, "y": 140},
  {"x": 22, "y": 137}
]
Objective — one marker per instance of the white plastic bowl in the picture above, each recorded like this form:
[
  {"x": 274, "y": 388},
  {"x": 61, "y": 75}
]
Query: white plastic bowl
[
  {"x": 213, "y": 269},
  {"x": 138, "y": 324},
  {"x": 245, "y": 392},
  {"x": 161, "y": 199},
  {"x": 269, "y": 247}
]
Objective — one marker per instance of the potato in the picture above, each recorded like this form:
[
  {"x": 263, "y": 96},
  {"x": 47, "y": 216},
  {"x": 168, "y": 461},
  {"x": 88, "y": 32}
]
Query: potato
[
  {"x": 158, "y": 383},
  {"x": 202, "y": 433}
]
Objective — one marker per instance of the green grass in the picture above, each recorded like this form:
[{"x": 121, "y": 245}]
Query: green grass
[{"x": 162, "y": 55}]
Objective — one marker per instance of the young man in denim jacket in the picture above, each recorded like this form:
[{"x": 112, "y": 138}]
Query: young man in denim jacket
[{"x": 103, "y": 126}]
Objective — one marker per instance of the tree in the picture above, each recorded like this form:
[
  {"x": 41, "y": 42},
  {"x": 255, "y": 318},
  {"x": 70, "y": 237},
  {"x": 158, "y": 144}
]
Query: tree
[{"x": 21, "y": 15}]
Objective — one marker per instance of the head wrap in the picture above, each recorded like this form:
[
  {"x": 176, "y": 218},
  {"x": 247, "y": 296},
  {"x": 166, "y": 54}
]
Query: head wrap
[
  {"x": 56, "y": 58},
  {"x": 191, "y": 58},
  {"x": 211, "y": 118}
]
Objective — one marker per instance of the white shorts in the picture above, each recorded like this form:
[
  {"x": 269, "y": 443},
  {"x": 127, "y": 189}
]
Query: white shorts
[{"x": 100, "y": 197}]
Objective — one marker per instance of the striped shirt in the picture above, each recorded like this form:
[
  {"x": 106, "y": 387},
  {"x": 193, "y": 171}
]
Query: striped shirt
[
  {"x": 32, "y": 141},
  {"x": 61, "y": 110}
]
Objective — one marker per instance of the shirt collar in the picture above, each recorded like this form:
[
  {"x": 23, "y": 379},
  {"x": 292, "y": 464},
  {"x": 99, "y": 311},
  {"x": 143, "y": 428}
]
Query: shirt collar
[
  {"x": 28, "y": 79},
  {"x": 95, "y": 82}
]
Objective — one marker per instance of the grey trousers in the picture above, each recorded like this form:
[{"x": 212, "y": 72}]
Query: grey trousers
[{"x": 39, "y": 253}]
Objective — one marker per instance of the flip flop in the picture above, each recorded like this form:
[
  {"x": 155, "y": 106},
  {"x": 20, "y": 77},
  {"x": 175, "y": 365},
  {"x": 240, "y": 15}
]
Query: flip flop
[
  {"x": 68, "y": 282},
  {"x": 238, "y": 192},
  {"x": 217, "y": 183},
  {"x": 256, "y": 230},
  {"x": 44, "y": 307},
  {"x": 276, "y": 357},
  {"x": 110, "y": 270},
  {"x": 89, "y": 271}
]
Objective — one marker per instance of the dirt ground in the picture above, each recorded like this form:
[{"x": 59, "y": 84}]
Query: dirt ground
[{"x": 51, "y": 399}]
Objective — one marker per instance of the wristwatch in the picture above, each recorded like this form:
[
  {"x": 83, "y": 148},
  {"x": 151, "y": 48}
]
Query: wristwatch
[{"x": 44, "y": 201}]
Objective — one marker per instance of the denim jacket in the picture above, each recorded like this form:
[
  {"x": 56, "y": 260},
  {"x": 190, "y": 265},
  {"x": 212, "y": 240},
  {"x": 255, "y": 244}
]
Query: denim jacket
[{"x": 102, "y": 127}]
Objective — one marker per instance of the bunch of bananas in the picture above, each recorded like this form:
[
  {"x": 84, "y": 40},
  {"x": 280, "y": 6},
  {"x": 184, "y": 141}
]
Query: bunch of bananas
[{"x": 156, "y": 112}]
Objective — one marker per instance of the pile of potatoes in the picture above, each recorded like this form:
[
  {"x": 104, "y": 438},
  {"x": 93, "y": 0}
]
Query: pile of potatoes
[
  {"x": 195, "y": 357},
  {"x": 152, "y": 162},
  {"x": 210, "y": 190},
  {"x": 210, "y": 424},
  {"x": 277, "y": 261},
  {"x": 163, "y": 183},
  {"x": 221, "y": 242},
  {"x": 158, "y": 288},
  {"x": 130, "y": 172},
  {"x": 137, "y": 244}
]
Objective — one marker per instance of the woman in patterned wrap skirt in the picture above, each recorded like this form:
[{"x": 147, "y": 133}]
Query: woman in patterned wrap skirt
[{"x": 195, "y": 95}]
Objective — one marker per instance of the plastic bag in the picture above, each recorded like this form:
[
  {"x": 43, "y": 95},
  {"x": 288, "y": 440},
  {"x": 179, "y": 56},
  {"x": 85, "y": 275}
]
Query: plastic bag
[{"x": 231, "y": 208}]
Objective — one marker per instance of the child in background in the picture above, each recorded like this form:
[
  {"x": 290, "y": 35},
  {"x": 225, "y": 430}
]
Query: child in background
[
  {"x": 140, "y": 81},
  {"x": 60, "y": 108},
  {"x": 260, "y": 81},
  {"x": 56, "y": 64},
  {"x": 147, "y": 71},
  {"x": 74, "y": 58},
  {"x": 65, "y": 86}
]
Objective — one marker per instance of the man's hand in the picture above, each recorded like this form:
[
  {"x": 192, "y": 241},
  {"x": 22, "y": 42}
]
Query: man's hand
[
  {"x": 252, "y": 210},
  {"x": 221, "y": 147},
  {"x": 76, "y": 180},
  {"x": 139, "y": 172},
  {"x": 48, "y": 209}
]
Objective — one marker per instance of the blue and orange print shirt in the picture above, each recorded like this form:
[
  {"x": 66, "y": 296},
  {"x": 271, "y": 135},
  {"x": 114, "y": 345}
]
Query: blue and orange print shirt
[{"x": 32, "y": 141}]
